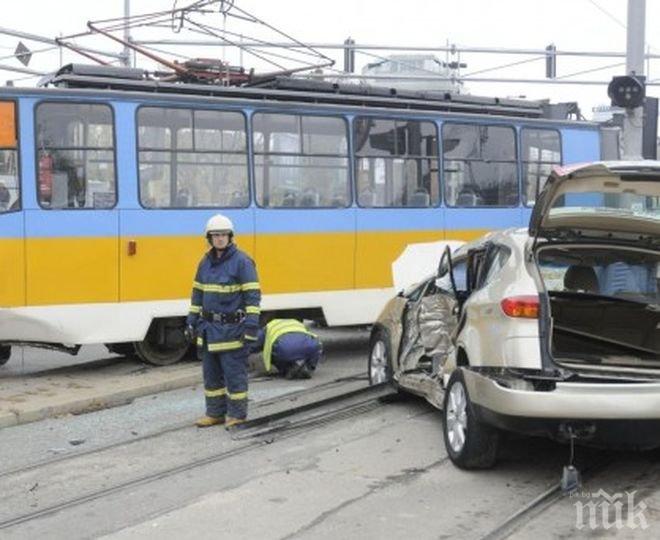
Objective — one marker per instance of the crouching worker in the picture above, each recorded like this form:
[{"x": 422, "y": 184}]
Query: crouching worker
[
  {"x": 290, "y": 347},
  {"x": 224, "y": 317}
]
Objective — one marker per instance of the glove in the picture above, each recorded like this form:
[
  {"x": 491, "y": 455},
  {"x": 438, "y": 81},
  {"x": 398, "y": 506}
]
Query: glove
[
  {"x": 250, "y": 335},
  {"x": 189, "y": 334}
]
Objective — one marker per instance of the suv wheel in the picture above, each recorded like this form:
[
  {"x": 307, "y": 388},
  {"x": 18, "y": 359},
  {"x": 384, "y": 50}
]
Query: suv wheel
[
  {"x": 380, "y": 370},
  {"x": 469, "y": 443}
]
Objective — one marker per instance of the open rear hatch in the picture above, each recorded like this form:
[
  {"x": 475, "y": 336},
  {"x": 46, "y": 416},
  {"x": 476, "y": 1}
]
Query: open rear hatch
[
  {"x": 618, "y": 201},
  {"x": 597, "y": 229}
]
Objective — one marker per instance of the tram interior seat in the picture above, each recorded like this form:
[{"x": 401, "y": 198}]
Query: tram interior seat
[
  {"x": 511, "y": 199},
  {"x": 338, "y": 201},
  {"x": 310, "y": 198},
  {"x": 289, "y": 199},
  {"x": 239, "y": 199},
  {"x": 469, "y": 197},
  {"x": 60, "y": 196},
  {"x": 420, "y": 198},
  {"x": 367, "y": 198},
  {"x": 183, "y": 198}
]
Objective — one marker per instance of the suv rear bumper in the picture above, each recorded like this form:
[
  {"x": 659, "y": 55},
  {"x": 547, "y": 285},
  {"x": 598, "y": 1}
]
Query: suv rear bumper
[{"x": 586, "y": 401}]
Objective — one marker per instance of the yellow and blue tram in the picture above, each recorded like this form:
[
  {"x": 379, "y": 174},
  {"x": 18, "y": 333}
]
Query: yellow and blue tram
[{"x": 106, "y": 181}]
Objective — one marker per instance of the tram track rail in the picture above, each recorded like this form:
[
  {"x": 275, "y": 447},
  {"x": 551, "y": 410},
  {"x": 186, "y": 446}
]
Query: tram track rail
[
  {"x": 363, "y": 400},
  {"x": 543, "y": 502},
  {"x": 291, "y": 397}
]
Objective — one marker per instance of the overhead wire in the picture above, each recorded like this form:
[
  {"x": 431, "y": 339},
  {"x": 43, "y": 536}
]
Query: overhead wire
[
  {"x": 593, "y": 70},
  {"x": 615, "y": 19},
  {"x": 251, "y": 48},
  {"x": 163, "y": 51},
  {"x": 265, "y": 43},
  {"x": 246, "y": 49},
  {"x": 298, "y": 42},
  {"x": 503, "y": 66},
  {"x": 608, "y": 14}
]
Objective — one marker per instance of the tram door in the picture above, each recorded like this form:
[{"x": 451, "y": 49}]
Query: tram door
[
  {"x": 71, "y": 220},
  {"x": 305, "y": 222},
  {"x": 12, "y": 242}
]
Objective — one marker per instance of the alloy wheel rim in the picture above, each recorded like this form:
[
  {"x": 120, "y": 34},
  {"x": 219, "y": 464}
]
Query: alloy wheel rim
[
  {"x": 378, "y": 367},
  {"x": 456, "y": 417}
]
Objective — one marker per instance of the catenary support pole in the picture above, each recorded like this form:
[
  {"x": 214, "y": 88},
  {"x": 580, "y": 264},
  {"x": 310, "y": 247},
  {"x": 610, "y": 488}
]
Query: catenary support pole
[
  {"x": 633, "y": 121},
  {"x": 126, "y": 53}
]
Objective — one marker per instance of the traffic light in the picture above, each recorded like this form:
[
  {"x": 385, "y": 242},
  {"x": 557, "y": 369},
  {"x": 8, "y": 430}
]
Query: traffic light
[{"x": 627, "y": 91}]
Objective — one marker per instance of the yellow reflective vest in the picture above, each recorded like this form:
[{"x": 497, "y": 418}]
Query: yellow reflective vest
[{"x": 277, "y": 328}]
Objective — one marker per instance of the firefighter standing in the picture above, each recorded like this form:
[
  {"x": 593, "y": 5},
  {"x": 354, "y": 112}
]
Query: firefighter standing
[
  {"x": 290, "y": 347},
  {"x": 224, "y": 315}
]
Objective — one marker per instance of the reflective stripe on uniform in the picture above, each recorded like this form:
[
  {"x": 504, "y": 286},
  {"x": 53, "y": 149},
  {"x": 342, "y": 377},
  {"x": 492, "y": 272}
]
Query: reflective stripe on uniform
[
  {"x": 215, "y": 393},
  {"x": 250, "y": 286},
  {"x": 225, "y": 346},
  {"x": 252, "y": 310},
  {"x": 277, "y": 328},
  {"x": 237, "y": 395},
  {"x": 195, "y": 309},
  {"x": 200, "y": 341},
  {"x": 214, "y": 288}
]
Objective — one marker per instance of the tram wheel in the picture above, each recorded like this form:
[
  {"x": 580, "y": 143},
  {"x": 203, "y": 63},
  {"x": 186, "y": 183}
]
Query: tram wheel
[
  {"x": 164, "y": 344},
  {"x": 124, "y": 349},
  {"x": 5, "y": 354}
]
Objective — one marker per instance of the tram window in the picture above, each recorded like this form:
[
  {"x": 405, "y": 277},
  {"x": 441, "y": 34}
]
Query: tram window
[
  {"x": 301, "y": 161},
  {"x": 10, "y": 196},
  {"x": 541, "y": 150},
  {"x": 479, "y": 165},
  {"x": 192, "y": 158},
  {"x": 76, "y": 156},
  {"x": 396, "y": 163}
]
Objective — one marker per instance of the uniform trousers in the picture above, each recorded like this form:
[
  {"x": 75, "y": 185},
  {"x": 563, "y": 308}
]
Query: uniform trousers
[{"x": 226, "y": 382}]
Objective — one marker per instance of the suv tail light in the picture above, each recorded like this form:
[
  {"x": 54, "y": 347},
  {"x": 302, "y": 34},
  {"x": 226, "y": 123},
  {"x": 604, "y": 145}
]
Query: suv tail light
[{"x": 525, "y": 307}]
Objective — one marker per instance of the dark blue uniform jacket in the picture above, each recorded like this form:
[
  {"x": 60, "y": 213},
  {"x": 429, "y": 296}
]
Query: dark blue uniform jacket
[{"x": 225, "y": 284}]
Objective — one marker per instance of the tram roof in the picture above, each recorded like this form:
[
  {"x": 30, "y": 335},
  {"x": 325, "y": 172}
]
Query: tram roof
[{"x": 287, "y": 89}]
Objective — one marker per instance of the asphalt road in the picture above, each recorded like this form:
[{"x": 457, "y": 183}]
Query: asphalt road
[
  {"x": 382, "y": 473},
  {"x": 379, "y": 472}
]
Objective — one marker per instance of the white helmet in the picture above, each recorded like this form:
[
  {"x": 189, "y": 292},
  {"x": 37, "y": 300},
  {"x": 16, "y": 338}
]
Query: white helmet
[{"x": 219, "y": 223}]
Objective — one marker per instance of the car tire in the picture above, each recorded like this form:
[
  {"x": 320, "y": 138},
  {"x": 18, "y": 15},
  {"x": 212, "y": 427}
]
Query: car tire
[
  {"x": 380, "y": 359},
  {"x": 471, "y": 444}
]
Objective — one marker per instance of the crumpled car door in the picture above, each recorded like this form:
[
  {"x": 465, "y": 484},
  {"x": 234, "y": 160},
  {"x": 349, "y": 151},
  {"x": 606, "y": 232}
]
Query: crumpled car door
[
  {"x": 437, "y": 322},
  {"x": 429, "y": 327}
]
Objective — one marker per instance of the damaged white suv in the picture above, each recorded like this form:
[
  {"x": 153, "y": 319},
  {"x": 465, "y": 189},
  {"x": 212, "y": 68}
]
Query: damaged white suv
[{"x": 549, "y": 331}]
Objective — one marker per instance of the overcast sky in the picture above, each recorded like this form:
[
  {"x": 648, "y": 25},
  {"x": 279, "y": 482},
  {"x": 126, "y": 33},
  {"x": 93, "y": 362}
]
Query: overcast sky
[{"x": 586, "y": 25}]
